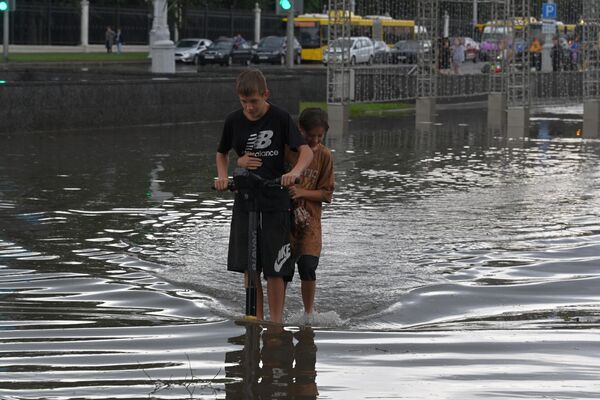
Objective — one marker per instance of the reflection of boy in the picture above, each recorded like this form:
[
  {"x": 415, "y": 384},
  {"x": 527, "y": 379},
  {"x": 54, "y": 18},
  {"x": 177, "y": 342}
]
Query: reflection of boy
[
  {"x": 261, "y": 131},
  {"x": 305, "y": 374},
  {"x": 316, "y": 187},
  {"x": 277, "y": 356}
]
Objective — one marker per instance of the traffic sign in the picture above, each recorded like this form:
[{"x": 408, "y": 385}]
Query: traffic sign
[{"x": 549, "y": 10}]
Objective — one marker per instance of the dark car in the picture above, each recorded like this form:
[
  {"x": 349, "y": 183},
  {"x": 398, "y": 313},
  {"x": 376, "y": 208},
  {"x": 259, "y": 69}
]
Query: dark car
[
  {"x": 226, "y": 52},
  {"x": 406, "y": 51},
  {"x": 381, "y": 51},
  {"x": 272, "y": 49}
]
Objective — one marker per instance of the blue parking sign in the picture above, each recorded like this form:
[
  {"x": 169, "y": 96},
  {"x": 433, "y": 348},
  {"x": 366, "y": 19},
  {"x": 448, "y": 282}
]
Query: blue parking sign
[{"x": 549, "y": 10}]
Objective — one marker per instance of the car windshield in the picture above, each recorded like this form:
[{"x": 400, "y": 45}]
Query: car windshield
[
  {"x": 407, "y": 45},
  {"x": 221, "y": 45},
  {"x": 341, "y": 43},
  {"x": 186, "y": 43},
  {"x": 380, "y": 46},
  {"x": 271, "y": 42}
]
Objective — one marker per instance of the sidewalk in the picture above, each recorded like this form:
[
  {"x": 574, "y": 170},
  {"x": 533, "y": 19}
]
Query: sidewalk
[{"x": 93, "y": 48}]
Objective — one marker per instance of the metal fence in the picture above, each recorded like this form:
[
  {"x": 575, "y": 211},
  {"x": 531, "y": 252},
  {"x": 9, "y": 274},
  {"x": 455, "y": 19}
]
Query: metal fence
[
  {"x": 389, "y": 84},
  {"x": 43, "y": 23},
  {"x": 520, "y": 86}
]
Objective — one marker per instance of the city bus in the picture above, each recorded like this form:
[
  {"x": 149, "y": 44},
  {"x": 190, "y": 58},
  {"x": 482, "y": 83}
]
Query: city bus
[{"x": 311, "y": 31}]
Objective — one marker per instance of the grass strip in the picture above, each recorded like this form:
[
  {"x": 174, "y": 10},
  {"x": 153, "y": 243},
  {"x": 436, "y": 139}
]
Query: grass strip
[{"x": 77, "y": 57}]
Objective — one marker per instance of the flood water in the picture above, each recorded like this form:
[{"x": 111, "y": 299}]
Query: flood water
[{"x": 113, "y": 247}]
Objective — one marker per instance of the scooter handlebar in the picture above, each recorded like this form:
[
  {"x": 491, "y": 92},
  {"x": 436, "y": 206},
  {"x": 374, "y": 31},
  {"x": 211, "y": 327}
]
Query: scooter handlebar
[{"x": 266, "y": 182}]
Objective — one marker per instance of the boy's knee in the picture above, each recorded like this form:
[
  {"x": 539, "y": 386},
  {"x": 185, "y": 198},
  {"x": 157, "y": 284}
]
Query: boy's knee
[{"x": 307, "y": 268}]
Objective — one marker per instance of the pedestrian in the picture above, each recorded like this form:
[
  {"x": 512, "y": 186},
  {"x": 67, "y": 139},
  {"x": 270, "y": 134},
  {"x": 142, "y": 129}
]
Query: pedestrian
[
  {"x": 574, "y": 49},
  {"x": 535, "y": 49},
  {"x": 315, "y": 188},
  {"x": 109, "y": 39},
  {"x": 458, "y": 56},
  {"x": 119, "y": 40},
  {"x": 444, "y": 64},
  {"x": 556, "y": 55},
  {"x": 259, "y": 133},
  {"x": 238, "y": 40}
]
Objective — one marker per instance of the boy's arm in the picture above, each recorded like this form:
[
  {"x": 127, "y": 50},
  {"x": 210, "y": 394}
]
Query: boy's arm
[
  {"x": 318, "y": 195},
  {"x": 325, "y": 185},
  {"x": 222, "y": 162},
  {"x": 304, "y": 159}
]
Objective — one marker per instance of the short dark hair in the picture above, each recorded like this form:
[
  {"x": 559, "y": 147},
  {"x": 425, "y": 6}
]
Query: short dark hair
[
  {"x": 251, "y": 81},
  {"x": 313, "y": 117}
]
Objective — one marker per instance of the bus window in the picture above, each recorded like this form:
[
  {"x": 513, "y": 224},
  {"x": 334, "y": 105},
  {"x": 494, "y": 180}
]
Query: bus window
[{"x": 309, "y": 38}]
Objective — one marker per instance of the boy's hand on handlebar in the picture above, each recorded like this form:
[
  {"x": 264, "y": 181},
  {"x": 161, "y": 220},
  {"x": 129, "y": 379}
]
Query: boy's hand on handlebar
[
  {"x": 289, "y": 179},
  {"x": 249, "y": 161},
  {"x": 221, "y": 184}
]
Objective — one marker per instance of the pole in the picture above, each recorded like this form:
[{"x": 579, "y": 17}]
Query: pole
[
  {"x": 547, "y": 47},
  {"x": 5, "y": 37},
  {"x": 289, "y": 56},
  {"x": 475, "y": 18},
  {"x": 257, "y": 11},
  {"x": 446, "y": 25},
  {"x": 85, "y": 24}
]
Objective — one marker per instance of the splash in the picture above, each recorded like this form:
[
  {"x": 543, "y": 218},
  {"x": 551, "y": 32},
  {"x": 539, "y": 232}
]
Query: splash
[{"x": 329, "y": 319}]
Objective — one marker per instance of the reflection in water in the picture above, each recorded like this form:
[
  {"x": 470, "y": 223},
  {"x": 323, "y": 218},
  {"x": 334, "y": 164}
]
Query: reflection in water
[{"x": 279, "y": 369}]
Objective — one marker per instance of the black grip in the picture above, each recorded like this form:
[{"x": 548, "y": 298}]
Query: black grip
[{"x": 270, "y": 182}]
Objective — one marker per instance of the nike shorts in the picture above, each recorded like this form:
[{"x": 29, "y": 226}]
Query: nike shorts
[{"x": 273, "y": 247}]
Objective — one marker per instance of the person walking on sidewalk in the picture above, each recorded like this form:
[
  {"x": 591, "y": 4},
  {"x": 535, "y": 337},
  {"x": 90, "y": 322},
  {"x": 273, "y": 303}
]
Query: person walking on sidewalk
[
  {"x": 109, "y": 39},
  {"x": 119, "y": 41},
  {"x": 458, "y": 55}
]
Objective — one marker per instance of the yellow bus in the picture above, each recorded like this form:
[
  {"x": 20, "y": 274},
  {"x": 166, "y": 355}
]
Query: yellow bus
[{"x": 311, "y": 31}]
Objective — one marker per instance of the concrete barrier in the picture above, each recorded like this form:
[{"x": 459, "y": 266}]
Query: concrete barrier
[{"x": 76, "y": 100}]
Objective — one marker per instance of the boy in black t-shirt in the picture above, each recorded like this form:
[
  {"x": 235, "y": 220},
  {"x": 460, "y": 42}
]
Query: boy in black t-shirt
[{"x": 262, "y": 129}]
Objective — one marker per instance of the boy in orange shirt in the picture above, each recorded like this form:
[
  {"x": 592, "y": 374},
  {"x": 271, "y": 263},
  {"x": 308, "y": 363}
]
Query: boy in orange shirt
[{"x": 316, "y": 186}]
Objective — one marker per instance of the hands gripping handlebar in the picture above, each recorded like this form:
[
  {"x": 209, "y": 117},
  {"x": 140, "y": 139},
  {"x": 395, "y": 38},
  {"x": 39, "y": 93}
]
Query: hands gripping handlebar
[{"x": 246, "y": 174}]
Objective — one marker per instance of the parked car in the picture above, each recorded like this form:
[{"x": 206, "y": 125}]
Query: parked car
[
  {"x": 406, "y": 51},
  {"x": 359, "y": 49},
  {"x": 471, "y": 49},
  {"x": 272, "y": 49},
  {"x": 382, "y": 52},
  {"x": 226, "y": 52},
  {"x": 187, "y": 50}
]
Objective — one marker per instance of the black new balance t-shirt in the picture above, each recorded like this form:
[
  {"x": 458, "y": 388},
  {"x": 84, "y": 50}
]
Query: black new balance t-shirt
[{"x": 266, "y": 138}]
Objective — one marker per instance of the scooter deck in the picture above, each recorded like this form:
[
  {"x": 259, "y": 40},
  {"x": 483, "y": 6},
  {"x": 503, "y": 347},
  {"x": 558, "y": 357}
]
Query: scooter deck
[{"x": 247, "y": 320}]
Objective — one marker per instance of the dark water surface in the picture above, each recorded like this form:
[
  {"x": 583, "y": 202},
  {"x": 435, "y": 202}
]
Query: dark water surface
[{"x": 112, "y": 258}]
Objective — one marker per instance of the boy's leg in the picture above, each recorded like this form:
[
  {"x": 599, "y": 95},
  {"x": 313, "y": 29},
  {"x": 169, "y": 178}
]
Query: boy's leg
[
  {"x": 275, "y": 259},
  {"x": 307, "y": 269},
  {"x": 308, "y": 289},
  {"x": 276, "y": 297}
]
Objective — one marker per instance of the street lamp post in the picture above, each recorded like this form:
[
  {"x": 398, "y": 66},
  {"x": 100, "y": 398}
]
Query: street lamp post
[
  {"x": 474, "y": 18},
  {"x": 547, "y": 48}
]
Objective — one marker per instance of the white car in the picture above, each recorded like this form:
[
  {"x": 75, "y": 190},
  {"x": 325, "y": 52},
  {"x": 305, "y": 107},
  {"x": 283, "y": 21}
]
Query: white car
[
  {"x": 187, "y": 50},
  {"x": 354, "y": 50}
]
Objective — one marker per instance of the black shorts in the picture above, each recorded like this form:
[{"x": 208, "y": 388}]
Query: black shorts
[{"x": 273, "y": 247}]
